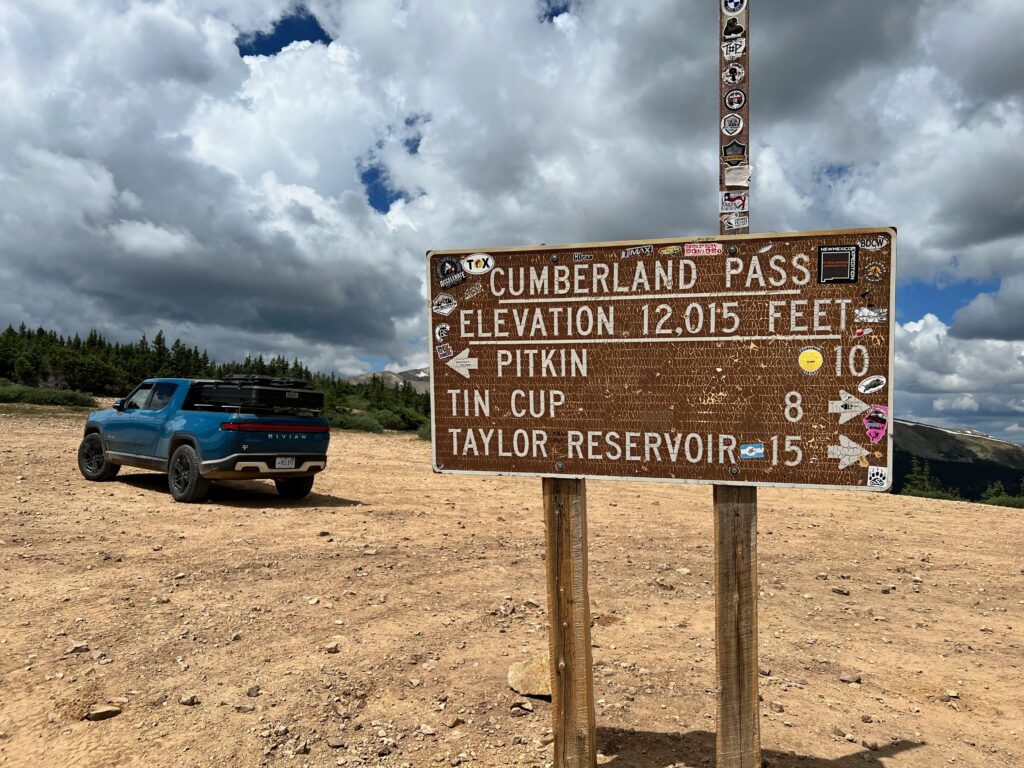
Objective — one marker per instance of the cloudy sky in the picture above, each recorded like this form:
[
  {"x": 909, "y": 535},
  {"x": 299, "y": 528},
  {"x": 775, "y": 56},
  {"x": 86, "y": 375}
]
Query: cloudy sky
[{"x": 256, "y": 176}]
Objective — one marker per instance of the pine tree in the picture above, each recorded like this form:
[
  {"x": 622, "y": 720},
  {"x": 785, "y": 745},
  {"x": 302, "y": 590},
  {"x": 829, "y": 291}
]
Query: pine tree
[
  {"x": 161, "y": 355},
  {"x": 917, "y": 479},
  {"x": 994, "y": 490}
]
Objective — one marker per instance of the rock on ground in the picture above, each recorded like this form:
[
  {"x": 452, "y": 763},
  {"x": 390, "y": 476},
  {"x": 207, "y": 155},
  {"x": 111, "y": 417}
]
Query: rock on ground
[
  {"x": 102, "y": 712},
  {"x": 531, "y": 677}
]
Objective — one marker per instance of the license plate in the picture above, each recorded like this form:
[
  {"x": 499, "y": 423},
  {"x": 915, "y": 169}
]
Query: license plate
[{"x": 284, "y": 462}]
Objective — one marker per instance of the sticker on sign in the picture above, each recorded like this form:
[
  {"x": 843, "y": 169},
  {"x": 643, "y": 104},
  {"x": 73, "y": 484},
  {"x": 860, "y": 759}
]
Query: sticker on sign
[
  {"x": 703, "y": 249},
  {"x": 725, "y": 360}
]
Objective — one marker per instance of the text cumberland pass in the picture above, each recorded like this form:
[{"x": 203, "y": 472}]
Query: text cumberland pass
[{"x": 750, "y": 359}]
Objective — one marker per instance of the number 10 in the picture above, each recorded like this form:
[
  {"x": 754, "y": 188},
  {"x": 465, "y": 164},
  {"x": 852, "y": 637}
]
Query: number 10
[{"x": 852, "y": 362}]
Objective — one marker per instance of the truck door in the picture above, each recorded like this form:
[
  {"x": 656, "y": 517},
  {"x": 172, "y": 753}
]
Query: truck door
[
  {"x": 119, "y": 433},
  {"x": 150, "y": 419}
]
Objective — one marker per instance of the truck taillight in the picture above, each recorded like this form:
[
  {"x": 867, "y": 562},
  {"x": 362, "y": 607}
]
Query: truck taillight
[{"x": 241, "y": 426}]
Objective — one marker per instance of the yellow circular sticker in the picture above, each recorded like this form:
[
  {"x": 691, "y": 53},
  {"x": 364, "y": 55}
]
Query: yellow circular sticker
[{"x": 810, "y": 360}]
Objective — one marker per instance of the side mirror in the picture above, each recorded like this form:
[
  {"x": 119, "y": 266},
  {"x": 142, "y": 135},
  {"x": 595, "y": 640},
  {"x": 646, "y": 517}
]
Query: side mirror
[{"x": 119, "y": 404}]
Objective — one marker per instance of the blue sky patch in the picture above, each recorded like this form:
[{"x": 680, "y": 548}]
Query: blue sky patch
[
  {"x": 300, "y": 24},
  {"x": 376, "y": 362},
  {"x": 379, "y": 191},
  {"x": 412, "y": 142},
  {"x": 833, "y": 172},
  {"x": 915, "y": 299},
  {"x": 549, "y": 9}
]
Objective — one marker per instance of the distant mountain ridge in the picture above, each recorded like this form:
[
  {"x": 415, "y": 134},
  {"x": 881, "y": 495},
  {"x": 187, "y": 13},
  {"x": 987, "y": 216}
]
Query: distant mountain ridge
[
  {"x": 417, "y": 378},
  {"x": 964, "y": 460},
  {"x": 927, "y": 441}
]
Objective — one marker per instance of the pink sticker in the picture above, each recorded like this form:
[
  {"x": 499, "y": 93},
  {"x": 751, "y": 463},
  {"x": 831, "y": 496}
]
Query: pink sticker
[
  {"x": 877, "y": 423},
  {"x": 702, "y": 249}
]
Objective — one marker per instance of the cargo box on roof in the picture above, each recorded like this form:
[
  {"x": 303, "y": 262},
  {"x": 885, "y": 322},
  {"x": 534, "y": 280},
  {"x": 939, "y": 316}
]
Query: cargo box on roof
[{"x": 263, "y": 393}]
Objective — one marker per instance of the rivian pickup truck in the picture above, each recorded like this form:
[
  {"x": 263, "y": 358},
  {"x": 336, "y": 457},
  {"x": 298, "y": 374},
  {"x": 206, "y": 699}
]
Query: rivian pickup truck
[{"x": 199, "y": 431}]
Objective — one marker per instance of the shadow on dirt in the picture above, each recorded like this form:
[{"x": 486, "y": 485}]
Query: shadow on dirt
[
  {"x": 241, "y": 493},
  {"x": 647, "y": 749}
]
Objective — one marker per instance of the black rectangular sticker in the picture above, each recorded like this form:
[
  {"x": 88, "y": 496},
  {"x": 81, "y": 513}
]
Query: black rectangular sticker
[{"x": 837, "y": 264}]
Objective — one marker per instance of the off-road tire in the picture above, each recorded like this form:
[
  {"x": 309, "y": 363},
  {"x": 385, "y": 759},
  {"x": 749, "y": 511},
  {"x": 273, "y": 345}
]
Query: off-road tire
[
  {"x": 183, "y": 478},
  {"x": 93, "y": 462},
  {"x": 294, "y": 487}
]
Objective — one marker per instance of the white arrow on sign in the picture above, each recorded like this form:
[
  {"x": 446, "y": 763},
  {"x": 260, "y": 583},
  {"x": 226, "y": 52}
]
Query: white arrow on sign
[
  {"x": 847, "y": 406},
  {"x": 848, "y": 452},
  {"x": 462, "y": 363}
]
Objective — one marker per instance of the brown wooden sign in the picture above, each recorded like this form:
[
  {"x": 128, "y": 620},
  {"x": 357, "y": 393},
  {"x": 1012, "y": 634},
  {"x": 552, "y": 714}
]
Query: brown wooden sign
[{"x": 752, "y": 359}]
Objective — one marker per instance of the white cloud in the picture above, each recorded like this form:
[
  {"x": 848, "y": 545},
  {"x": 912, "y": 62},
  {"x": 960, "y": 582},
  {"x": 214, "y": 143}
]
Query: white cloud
[
  {"x": 929, "y": 359},
  {"x": 977, "y": 382},
  {"x": 305, "y": 114},
  {"x": 39, "y": 186},
  {"x": 143, "y": 238},
  {"x": 964, "y": 402}
]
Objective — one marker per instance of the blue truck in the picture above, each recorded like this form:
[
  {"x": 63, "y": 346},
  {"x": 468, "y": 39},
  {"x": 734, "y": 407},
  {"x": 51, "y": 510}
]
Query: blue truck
[{"x": 198, "y": 431}]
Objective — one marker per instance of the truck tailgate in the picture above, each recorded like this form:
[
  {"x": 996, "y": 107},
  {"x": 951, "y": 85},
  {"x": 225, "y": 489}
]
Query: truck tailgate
[{"x": 284, "y": 435}]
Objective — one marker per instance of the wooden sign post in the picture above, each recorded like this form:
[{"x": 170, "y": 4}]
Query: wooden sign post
[
  {"x": 571, "y": 660},
  {"x": 738, "y": 735},
  {"x": 738, "y": 742}
]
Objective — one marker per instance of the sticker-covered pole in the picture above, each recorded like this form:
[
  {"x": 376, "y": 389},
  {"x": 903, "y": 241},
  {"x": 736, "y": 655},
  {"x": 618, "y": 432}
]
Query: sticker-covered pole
[
  {"x": 572, "y": 679},
  {"x": 734, "y": 118},
  {"x": 738, "y": 742}
]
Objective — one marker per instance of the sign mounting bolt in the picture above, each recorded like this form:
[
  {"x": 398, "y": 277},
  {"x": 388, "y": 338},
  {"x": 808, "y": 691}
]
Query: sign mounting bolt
[
  {"x": 554, "y": 257},
  {"x": 732, "y": 250},
  {"x": 734, "y": 470},
  {"x": 559, "y": 466}
]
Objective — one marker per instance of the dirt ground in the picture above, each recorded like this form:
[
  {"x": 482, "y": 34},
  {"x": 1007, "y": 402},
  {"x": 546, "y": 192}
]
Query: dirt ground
[{"x": 427, "y": 587}]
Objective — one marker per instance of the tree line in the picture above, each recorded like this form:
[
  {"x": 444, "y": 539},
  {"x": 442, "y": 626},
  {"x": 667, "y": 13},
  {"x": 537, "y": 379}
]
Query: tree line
[
  {"x": 920, "y": 481},
  {"x": 43, "y": 358}
]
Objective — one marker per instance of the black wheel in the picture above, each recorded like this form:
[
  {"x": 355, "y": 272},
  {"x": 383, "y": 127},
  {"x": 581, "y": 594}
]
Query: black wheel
[
  {"x": 294, "y": 487},
  {"x": 92, "y": 461},
  {"x": 183, "y": 477}
]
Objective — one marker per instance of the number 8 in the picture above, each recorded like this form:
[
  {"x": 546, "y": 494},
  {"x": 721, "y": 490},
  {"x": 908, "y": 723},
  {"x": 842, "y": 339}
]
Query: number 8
[{"x": 794, "y": 406}]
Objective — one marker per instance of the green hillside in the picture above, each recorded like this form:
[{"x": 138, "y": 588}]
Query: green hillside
[{"x": 962, "y": 463}]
